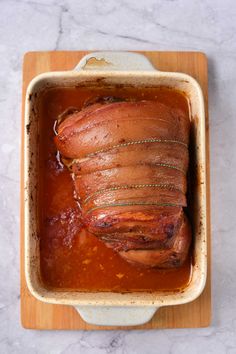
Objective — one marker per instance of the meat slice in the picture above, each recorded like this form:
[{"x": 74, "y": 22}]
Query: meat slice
[
  {"x": 129, "y": 162},
  {"x": 170, "y": 257}
]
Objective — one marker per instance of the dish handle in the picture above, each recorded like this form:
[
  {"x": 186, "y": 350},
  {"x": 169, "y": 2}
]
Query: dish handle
[
  {"x": 116, "y": 315},
  {"x": 114, "y": 61}
]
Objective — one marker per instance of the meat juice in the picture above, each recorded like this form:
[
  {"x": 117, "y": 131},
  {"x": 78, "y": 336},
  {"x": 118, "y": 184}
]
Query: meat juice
[{"x": 70, "y": 257}]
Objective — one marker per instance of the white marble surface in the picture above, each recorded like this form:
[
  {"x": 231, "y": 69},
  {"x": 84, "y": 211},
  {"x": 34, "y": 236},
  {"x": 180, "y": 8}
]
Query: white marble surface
[{"x": 209, "y": 26}]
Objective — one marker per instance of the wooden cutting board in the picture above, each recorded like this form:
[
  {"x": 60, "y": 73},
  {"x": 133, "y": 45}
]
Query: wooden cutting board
[{"x": 38, "y": 315}]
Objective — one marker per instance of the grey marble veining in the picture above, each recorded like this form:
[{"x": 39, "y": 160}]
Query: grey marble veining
[{"x": 209, "y": 26}]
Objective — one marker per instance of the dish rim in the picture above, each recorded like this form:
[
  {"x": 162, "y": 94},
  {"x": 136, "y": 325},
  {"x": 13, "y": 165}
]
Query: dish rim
[{"x": 152, "y": 298}]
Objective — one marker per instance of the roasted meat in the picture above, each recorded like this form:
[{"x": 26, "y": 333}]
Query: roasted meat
[{"x": 129, "y": 162}]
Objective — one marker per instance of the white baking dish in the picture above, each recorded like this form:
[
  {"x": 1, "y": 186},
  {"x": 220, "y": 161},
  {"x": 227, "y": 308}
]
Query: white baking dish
[{"x": 108, "y": 308}]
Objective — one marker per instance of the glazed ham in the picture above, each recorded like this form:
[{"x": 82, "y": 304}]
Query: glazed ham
[{"x": 129, "y": 162}]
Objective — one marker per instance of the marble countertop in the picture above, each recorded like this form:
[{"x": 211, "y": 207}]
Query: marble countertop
[{"x": 208, "y": 26}]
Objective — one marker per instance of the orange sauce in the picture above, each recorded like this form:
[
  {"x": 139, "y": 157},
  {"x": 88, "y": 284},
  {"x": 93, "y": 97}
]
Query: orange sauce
[{"x": 70, "y": 257}]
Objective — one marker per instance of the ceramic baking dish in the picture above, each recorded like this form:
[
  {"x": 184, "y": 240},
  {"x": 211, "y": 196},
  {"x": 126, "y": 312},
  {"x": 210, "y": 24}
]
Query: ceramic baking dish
[{"x": 115, "y": 68}]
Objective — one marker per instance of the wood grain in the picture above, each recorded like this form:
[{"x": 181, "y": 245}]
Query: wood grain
[{"x": 38, "y": 315}]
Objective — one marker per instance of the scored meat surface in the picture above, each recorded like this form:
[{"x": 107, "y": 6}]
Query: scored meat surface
[{"x": 129, "y": 162}]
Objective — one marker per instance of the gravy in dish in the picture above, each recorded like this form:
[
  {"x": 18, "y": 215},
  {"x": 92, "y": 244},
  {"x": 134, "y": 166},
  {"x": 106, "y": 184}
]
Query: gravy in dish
[{"x": 70, "y": 257}]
